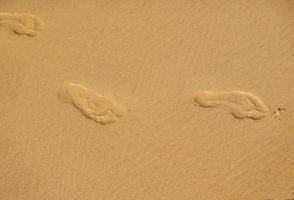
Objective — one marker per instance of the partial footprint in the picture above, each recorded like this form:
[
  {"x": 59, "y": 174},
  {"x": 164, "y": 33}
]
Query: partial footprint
[
  {"x": 22, "y": 24},
  {"x": 240, "y": 104},
  {"x": 99, "y": 108}
]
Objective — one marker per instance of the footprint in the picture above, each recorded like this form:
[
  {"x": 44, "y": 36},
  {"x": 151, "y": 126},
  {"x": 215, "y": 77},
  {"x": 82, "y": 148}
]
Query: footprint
[
  {"x": 99, "y": 108},
  {"x": 22, "y": 24},
  {"x": 240, "y": 104}
]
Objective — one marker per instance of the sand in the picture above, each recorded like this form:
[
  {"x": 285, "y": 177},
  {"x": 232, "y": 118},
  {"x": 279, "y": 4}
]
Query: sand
[{"x": 152, "y": 58}]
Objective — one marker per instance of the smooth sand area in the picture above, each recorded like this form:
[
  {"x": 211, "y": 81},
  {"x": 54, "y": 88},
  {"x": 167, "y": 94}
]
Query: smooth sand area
[{"x": 136, "y": 66}]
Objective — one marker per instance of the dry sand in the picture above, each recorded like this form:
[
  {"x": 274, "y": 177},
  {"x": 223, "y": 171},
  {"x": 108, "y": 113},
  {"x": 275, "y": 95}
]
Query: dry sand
[{"x": 152, "y": 57}]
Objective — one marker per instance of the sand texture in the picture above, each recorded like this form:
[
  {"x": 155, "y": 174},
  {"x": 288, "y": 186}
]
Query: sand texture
[{"x": 146, "y": 100}]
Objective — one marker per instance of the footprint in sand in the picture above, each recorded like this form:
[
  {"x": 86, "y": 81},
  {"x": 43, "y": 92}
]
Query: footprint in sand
[
  {"x": 100, "y": 108},
  {"x": 240, "y": 104},
  {"x": 22, "y": 24}
]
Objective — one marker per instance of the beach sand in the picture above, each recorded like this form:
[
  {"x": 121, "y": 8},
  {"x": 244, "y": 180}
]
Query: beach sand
[{"x": 152, "y": 57}]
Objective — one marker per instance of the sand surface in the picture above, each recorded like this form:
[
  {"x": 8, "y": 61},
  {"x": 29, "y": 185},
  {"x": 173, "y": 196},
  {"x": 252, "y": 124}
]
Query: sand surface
[{"x": 152, "y": 57}]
